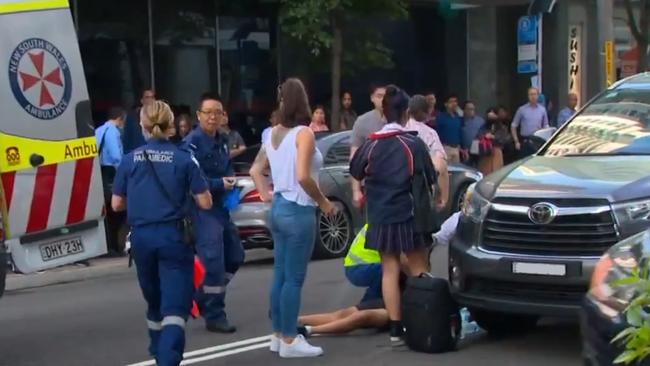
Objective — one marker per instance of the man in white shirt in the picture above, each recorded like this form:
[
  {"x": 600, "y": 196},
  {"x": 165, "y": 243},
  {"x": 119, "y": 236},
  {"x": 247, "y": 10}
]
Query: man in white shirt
[{"x": 419, "y": 112}]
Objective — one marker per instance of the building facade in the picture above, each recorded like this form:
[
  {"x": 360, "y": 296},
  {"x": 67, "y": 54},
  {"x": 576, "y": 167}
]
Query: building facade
[{"x": 237, "y": 48}]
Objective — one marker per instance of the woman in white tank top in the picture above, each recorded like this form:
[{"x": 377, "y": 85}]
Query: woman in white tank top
[{"x": 291, "y": 153}]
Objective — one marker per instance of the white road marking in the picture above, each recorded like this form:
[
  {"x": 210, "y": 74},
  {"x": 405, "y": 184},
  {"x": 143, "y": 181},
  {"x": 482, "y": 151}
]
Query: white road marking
[
  {"x": 217, "y": 351},
  {"x": 226, "y": 353}
]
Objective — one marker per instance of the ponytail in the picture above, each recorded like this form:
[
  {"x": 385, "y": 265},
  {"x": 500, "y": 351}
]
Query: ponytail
[{"x": 157, "y": 118}]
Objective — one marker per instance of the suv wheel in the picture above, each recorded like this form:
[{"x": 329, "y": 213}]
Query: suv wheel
[
  {"x": 500, "y": 324},
  {"x": 334, "y": 234}
]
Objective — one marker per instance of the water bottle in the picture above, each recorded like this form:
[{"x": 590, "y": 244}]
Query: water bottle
[{"x": 469, "y": 326}]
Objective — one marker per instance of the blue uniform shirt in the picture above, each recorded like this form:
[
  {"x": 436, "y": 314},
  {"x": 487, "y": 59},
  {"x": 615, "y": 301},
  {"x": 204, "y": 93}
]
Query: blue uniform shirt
[
  {"x": 145, "y": 202},
  {"x": 213, "y": 157},
  {"x": 109, "y": 140}
]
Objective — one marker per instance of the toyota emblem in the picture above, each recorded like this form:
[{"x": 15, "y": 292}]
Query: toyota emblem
[{"x": 542, "y": 213}]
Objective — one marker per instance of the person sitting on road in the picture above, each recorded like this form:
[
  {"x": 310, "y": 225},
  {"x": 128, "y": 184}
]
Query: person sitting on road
[
  {"x": 363, "y": 267},
  {"x": 368, "y": 314}
]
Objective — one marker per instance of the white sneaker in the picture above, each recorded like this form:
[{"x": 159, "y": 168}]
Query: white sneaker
[
  {"x": 275, "y": 344},
  {"x": 299, "y": 349}
]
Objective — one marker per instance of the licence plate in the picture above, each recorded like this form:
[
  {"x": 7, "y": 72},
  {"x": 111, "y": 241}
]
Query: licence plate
[
  {"x": 61, "y": 248},
  {"x": 542, "y": 269}
]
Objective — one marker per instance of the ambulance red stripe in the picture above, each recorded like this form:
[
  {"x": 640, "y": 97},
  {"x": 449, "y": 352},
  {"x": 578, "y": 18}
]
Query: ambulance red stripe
[
  {"x": 42, "y": 198},
  {"x": 80, "y": 189},
  {"x": 8, "y": 180}
]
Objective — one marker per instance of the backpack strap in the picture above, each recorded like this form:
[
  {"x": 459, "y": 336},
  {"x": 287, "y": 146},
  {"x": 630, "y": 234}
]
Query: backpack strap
[{"x": 159, "y": 182}]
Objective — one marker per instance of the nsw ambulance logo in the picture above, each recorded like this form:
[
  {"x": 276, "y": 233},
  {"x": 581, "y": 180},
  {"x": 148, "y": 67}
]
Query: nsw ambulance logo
[
  {"x": 40, "y": 78},
  {"x": 13, "y": 156}
]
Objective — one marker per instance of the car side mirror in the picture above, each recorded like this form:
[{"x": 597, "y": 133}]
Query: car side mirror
[{"x": 546, "y": 133}]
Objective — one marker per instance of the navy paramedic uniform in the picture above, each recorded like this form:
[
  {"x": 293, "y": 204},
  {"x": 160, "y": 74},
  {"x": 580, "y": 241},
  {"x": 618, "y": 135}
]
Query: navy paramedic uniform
[
  {"x": 217, "y": 240},
  {"x": 164, "y": 262}
]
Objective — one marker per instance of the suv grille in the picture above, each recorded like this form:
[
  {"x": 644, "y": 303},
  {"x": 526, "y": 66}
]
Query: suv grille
[
  {"x": 567, "y": 294},
  {"x": 568, "y": 235}
]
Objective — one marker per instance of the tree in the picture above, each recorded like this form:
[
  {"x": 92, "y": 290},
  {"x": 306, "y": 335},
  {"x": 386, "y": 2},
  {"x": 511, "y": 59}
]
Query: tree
[
  {"x": 640, "y": 30},
  {"x": 324, "y": 26}
]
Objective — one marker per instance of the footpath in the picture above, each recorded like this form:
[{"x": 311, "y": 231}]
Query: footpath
[{"x": 99, "y": 267}]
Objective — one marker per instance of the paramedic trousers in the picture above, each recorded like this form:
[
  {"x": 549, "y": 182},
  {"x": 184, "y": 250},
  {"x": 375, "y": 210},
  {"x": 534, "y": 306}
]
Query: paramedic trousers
[
  {"x": 220, "y": 250},
  {"x": 294, "y": 230},
  {"x": 165, "y": 269},
  {"x": 366, "y": 275}
]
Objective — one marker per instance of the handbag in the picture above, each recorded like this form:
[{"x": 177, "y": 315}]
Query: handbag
[
  {"x": 474, "y": 149},
  {"x": 486, "y": 146},
  {"x": 186, "y": 224}
]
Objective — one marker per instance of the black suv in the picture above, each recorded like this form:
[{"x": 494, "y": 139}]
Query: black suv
[{"x": 531, "y": 233}]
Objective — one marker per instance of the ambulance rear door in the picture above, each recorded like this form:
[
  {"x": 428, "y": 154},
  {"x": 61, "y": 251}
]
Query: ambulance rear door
[{"x": 51, "y": 180}]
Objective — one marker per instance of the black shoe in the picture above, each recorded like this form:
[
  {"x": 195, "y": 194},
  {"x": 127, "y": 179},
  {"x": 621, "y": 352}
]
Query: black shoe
[
  {"x": 396, "y": 330},
  {"x": 303, "y": 331},
  {"x": 221, "y": 327}
]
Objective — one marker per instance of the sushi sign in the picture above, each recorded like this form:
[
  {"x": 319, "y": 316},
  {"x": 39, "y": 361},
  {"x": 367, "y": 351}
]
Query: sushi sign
[{"x": 575, "y": 58}]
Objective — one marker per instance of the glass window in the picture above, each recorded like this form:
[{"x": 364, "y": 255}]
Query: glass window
[
  {"x": 248, "y": 72},
  {"x": 113, "y": 37},
  {"x": 616, "y": 123},
  {"x": 339, "y": 153},
  {"x": 185, "y": 56}
]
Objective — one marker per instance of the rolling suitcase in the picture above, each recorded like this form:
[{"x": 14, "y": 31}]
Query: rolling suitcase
[{"x": 430, "y": 315}]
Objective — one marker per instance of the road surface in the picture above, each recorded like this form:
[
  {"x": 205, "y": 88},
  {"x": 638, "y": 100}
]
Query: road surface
[{"x": 100, "y": 322}]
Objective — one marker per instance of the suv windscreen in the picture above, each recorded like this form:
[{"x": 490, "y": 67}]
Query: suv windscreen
[{"x": 616, "y": 123}]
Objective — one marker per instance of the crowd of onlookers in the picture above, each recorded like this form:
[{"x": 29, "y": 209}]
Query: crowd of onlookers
[{"x": 486, "y": 141}]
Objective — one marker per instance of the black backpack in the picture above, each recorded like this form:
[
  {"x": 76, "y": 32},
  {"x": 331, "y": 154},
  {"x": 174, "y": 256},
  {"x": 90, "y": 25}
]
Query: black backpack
[{"x": 430, "y": 315}]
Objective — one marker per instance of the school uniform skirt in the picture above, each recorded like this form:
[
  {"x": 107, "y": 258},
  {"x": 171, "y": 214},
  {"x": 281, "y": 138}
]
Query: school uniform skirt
[{"x": 394, "y": 238}]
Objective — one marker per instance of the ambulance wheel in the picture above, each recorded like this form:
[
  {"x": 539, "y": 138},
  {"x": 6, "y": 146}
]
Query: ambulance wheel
[
  {"x": 333, "y": 234},
  {"x": 501, "y": 324}
]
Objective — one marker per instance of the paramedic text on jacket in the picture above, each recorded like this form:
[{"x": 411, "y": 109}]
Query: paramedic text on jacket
[
  {"x": 217, "y": 239},
  {"x": 147, "y": 181}
]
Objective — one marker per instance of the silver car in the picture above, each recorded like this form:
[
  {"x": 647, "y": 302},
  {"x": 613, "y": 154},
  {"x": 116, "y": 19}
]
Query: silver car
[{"x": 334, "y": 233}]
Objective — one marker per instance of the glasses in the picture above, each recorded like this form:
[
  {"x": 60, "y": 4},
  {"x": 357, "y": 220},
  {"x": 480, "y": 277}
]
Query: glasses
[{"x": 217, "y": 113}]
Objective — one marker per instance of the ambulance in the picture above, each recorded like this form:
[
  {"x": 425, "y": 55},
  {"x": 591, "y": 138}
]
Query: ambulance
[{"x": 51, "y": 194}]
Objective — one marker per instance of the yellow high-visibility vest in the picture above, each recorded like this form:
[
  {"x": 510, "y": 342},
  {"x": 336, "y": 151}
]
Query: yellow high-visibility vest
[{"x": 358, "y": 254}]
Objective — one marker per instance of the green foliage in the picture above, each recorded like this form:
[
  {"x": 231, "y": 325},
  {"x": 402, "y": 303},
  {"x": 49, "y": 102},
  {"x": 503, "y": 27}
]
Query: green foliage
[
  {"x": 636, "y": 338},
  {"x": 311, "y": 22}
]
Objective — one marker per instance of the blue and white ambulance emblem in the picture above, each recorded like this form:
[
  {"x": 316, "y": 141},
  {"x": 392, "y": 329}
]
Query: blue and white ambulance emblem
[{"x": 40, "y": 78}]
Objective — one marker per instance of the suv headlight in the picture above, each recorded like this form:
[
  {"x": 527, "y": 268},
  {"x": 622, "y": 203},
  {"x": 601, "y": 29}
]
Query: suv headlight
[
  {"x": 633, "y": 212},
  {"x": 475, "y": 206},
  {"x": 617, "y": 264}
]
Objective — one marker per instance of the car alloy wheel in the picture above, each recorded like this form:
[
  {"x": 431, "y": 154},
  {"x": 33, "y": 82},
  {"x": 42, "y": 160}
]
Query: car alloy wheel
[
  {"x": 334, "y": 233},
  {"x": 460, "y": 199}
]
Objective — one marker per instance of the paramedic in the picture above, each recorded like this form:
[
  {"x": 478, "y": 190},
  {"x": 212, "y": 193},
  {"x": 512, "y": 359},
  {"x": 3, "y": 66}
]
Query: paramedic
[
  {"x": 217, "y": 240},
  {"x": 164, "y": 262}
]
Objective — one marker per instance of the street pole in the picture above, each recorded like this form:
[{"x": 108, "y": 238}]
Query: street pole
[{"x": 606, "y": 43}]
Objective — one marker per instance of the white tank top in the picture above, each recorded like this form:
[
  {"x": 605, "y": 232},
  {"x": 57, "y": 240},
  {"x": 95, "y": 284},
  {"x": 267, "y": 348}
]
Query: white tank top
[{"x": 283, "y": 162}]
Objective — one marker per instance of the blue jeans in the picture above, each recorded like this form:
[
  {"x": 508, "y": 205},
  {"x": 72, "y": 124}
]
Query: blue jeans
[
  {"x": 294, "y": 230},
  {"x": 165, "y": 267},
  {"x": 366, "y": 275}
]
